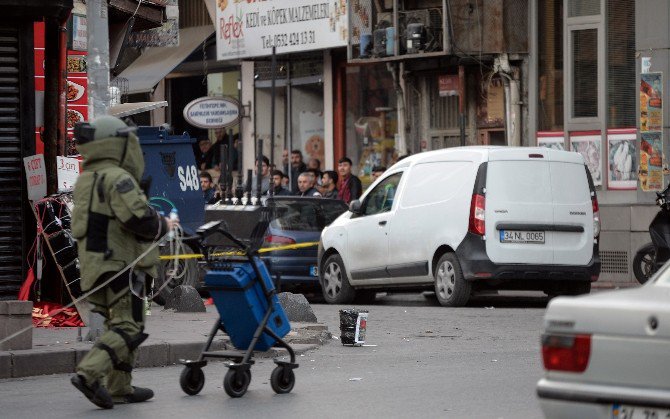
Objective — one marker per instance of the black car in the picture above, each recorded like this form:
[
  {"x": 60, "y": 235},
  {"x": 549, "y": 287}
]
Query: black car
[{"x": 298, "y": 220}]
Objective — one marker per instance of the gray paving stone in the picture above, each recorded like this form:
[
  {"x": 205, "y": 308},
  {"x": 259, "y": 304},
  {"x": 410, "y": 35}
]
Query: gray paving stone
[
  {"x": 42, "y": 361},
  {"x": 154, "y": 355}
]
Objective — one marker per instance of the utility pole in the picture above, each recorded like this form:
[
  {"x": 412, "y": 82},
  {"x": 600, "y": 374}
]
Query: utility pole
[
  {"x": 98, "y": 95},
  {"x": 98, "y": 58}
]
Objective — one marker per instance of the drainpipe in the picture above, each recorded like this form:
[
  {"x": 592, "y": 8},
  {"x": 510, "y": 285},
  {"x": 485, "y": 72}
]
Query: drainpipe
[
  {"x": 512, "y": 102},
  {"x": 401, "y": 145}
]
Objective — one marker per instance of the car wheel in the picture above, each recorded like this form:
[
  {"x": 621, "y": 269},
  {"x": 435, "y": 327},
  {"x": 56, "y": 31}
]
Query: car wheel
[
  {"x": 451, "y": 289},
  {"x": 187, "y": 271},
  {"x": 335, "y": 283}
]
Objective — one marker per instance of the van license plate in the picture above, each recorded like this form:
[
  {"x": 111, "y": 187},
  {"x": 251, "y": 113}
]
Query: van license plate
[{"x": 530, "y": 237}]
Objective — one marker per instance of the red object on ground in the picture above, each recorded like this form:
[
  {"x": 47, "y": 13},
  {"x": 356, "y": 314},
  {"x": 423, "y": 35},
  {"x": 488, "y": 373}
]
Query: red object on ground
[
  {"x": 47, "y": 314},
  {"x": 209, "y": 301},
  {"x": 24, "y": 292}
]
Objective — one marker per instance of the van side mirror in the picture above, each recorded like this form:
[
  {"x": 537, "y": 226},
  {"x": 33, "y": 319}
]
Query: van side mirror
[{"x": 355, "y": 206}]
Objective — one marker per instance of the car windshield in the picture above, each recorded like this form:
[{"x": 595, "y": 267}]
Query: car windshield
[{"x": 306, "y": 214}]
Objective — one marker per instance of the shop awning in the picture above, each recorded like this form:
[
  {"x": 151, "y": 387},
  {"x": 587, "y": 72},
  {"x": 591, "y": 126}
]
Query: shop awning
[
  {"x": 126, "y": 109},
  {"x": 155, "y": 63}
]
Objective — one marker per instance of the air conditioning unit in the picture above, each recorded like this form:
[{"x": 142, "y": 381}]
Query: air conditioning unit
[
  {"x": 420, "y": 30},
  {"x": 380, "y": 37}
]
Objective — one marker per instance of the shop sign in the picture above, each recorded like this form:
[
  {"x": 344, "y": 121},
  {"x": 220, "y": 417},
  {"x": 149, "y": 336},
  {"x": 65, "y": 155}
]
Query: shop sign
[
  {"x": 448, "y": 84},
  {"x": 78, "y": 34},
  {"x": 212, "y": 112},
  {"x": 36, "y": 176},
  {"x": 250, "y": 28},
  {"x": 68, "y": 172}
]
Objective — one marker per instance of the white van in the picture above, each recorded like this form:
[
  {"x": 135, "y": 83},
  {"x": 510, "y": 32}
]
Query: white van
[{"x": 465, "y": 219}]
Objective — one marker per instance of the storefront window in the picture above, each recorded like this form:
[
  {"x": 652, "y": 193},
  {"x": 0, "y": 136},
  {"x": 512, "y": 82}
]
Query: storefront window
[
  {"x": 621, "y": 81},
  {"x": 550, "y": 65},
  {"x": 579, "y": 8},
  {"x": 585, "y": 73},
  {"x": 371, "y": 119}
]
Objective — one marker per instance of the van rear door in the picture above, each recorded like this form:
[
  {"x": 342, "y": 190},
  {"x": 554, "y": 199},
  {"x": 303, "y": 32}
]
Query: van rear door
[
  {"x": 573, "y": 208},
  {"x": 519, "y": 208}
]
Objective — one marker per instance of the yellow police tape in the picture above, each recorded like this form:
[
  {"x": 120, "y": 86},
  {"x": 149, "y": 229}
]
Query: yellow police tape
[{"x": 240, "y": 253}]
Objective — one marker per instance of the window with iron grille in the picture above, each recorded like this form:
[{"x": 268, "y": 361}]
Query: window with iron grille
[
  {"x": 621, "y": 80},
  {"x": 550, "y": 65}
]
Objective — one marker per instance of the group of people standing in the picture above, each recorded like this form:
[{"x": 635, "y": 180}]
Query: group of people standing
[{"x": 299, "y": 179}]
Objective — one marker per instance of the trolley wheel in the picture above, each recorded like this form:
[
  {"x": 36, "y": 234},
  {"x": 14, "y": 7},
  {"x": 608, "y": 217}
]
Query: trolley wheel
[
  {"x": 236, "y": 382},
  {"x": 282, "y": 380},
  {"x": 192, "y": 380}
]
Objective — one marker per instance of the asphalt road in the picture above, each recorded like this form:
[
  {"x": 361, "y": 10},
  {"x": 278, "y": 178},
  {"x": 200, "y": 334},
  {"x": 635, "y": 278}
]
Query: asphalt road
[{"x": 422, "y": 360}]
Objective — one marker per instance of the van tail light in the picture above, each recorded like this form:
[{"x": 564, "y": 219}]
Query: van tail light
[
  {"x": 596, "y": 217},
  {"x": 272, "y": 240},
  {"x": 477, "y": 223},
  {"x": 568, "y": 353}
]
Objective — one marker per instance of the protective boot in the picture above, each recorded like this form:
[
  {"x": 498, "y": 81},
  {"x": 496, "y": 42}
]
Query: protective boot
[
  {"x": 138, "y": 395},
  {"x": 96, "y": 393}
]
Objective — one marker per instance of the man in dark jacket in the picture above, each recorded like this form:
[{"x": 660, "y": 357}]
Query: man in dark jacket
[
  {"x": 306, "y": 185},
  {"x": 297, "y": 167},
  {"x": 277, "y": 188},
  {"x": 114, "y": 225},
  {"x": 328, "y": 181},
  {"x": 349, "y": 187}
]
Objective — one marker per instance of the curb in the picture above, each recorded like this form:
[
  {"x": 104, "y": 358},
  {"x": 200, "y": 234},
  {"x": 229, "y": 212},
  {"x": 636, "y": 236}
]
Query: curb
[{"x": 43, "y": 361}]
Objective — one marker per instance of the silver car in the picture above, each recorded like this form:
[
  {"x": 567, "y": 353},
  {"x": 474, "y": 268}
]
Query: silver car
[{"x": 607, "y": 355}]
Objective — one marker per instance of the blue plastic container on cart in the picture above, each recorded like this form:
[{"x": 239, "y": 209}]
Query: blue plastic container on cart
[{"x": 239, "y": 299}]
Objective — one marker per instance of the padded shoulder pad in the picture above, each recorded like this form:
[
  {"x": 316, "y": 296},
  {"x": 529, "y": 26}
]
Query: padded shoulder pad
[{"x": 125, "y": 185}]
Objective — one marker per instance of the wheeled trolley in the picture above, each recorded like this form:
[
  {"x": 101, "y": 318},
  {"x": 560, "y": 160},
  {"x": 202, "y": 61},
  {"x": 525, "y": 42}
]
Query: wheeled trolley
[{"x": 250, "y": 314}]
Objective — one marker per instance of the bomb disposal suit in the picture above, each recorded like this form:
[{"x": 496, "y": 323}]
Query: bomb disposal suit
[{"x": 113, "y": 224}]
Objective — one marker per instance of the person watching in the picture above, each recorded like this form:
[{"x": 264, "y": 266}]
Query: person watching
[
  {"x": 208, "y": 190},
  {"x": 349, "y": 187},
  {"x": 306, "y": 185},
  {"x": 278, "y": 188},
  {"x": 328, "y": 182},
  {"x": 377, "y": 171}
]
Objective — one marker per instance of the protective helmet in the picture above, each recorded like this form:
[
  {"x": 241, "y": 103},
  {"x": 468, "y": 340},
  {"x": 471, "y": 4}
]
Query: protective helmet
[{"x": 103, "y": 127}]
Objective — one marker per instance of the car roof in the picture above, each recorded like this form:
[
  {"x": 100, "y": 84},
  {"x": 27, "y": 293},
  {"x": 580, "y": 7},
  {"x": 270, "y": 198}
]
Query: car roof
[{"x": 486, "y": 153}]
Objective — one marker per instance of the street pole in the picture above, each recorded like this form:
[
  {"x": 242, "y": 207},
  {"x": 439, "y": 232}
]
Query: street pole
[
  {"x": 98, "y": 58},
  {"x": 98, "y": 95}
]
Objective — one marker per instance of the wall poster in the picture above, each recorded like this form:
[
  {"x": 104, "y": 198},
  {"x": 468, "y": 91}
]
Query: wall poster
[
  {"x": 551, "y": 139},
  {"x": 622, "y": 159},
  {"x": 651, "y": 161},
  {"x": 651, "y": 102},
  {"x": 588, "y": 144}
]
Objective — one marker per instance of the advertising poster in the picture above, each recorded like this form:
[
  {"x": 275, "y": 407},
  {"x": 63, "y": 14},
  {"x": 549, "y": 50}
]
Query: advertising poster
[
  {"x": 588, "y": 144},
  {"x": 651, "y": 161},
  {"x": 651, "y": 102},
  {"x": 621, "y": 159},
  {"x": 251, "y": 29},
  {"x": 553, "y": 140},
  {"x": 311, "y": 136}
]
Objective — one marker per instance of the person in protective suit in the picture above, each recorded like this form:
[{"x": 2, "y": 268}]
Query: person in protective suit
[{"x": 114, "y": 225}]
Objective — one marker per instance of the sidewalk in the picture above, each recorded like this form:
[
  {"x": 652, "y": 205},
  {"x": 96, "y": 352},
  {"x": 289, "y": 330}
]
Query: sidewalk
[{"x": 172, "y": 336}]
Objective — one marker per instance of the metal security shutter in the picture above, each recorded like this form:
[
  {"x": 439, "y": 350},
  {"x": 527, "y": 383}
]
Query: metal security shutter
[{"x": 11, "y": 215}]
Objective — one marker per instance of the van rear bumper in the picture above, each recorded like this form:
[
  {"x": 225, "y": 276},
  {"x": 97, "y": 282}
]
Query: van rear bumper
[{"x": 477, "y": 266}]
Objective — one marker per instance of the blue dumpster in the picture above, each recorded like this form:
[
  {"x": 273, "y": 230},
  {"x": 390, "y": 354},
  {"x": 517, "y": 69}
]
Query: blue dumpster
[{"x": 173, "y": 175}]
